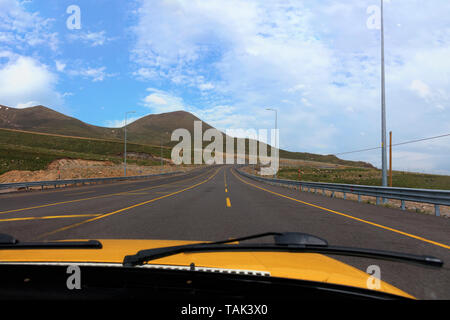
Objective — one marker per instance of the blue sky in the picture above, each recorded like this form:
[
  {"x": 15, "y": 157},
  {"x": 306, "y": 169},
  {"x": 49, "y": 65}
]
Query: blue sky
[{"x": 317, "y": 62}]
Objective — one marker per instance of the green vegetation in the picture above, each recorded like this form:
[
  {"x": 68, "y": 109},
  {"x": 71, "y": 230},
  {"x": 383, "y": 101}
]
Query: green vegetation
[
  {"x": 366, "y": 176},
  {"x": 29, "y": 151},
  {"x": 322, "y": 158}
]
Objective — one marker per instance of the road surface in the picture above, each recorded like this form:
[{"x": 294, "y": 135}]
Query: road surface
[{"x": 217, "y": 203}]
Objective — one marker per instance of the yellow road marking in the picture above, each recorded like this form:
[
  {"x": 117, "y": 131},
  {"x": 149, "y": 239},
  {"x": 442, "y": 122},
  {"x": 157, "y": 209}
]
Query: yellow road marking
[
  {"x": 131, "y": 193},
  {"x": 225, "y": 177},
  {"x": 346, "y": 215},
  {"x": 226, "y": 187},
  {"x": 50, "y": 217},
  {"x": 127, "y": 208},
  {"x": 96, "y": 197},
  {"x": 77, "y": 194}
]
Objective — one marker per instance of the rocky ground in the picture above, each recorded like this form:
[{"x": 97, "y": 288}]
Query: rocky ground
[{"x": 64, "y": 169}]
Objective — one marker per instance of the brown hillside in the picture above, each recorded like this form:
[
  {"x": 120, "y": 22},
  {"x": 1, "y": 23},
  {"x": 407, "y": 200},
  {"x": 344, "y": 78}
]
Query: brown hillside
[{"x": 43, "y": 119}]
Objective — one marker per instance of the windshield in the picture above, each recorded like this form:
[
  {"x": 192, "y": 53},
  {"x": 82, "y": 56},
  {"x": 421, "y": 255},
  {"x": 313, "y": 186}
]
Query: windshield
[{"x": 186, "y": 122}]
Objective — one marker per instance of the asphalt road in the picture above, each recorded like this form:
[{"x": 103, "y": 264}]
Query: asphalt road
[{"x": 217, "y": 203}]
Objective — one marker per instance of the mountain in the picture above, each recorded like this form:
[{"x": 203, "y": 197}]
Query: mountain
[
  {"x": 156, "y": 127},
  {"x": 43, "y": 119},
  {"x": 149, "y": 130}
]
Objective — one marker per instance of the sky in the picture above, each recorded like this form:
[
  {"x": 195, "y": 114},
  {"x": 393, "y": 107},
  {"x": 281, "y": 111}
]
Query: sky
[{"x": 226, "y": 61}]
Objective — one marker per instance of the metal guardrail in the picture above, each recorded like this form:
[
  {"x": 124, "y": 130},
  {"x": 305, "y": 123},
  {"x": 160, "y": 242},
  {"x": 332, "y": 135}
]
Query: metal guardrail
[
  {"x": 56, "y": 183},
  {"x": 436, "y": 197}
]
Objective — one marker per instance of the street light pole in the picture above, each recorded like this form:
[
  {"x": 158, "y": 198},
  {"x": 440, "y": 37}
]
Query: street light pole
[
  {"x": 276, "y": 126},
  {"x": 383, "y": 106},
  {"x": 125, "y": 144}
]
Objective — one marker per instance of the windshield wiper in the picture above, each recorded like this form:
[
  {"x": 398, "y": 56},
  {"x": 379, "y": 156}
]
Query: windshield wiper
[
  {"x": 9, "y": 242},
  {"x": 284, "y": 242}
]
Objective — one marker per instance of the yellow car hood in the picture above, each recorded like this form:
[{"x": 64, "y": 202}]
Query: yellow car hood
[{"x": 303, "y": 266}]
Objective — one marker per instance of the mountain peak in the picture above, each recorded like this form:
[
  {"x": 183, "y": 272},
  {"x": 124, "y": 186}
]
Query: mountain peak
[{"x": 150, "y": 129}]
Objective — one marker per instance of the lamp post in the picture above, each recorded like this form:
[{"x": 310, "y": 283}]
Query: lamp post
[
  {"x": 276, "y": 123},
  {"x": 125, "y": 144},
  {"x": 383, "y": 106},
  {"x": 276, "y": 126}
]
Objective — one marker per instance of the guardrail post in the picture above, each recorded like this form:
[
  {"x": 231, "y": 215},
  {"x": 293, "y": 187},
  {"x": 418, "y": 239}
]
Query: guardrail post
[
  {"x": 437, "y": 210},
  {"x": 381, "y": 194}
]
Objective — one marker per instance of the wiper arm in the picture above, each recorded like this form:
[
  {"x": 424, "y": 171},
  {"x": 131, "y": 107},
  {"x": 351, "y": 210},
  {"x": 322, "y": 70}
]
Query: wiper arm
[
  {"x": 284, "y": 242},
  {"x": 152, "y": 254},
  {"x": 8, "y": 242}
]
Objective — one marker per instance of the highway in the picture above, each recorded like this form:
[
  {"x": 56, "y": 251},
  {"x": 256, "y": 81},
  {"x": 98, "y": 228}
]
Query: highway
[{"x": 216, "y": 203}]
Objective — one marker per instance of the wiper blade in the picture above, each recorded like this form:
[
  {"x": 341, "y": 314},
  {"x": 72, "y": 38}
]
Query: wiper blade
[
  {"x": 285, "y": 242},
  {"x": 8, "y": 242}
]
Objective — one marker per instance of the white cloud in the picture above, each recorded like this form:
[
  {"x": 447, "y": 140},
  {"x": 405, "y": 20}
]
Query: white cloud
[
  {"x": 318, "y": 55},
  {"x": 206, "y": 86},
  {"x": 145, "y": 74},
  {"x": 420, "y": 88},
  {"x": 24, "y": 82},
  {"x": 120, "y": 123},
  {"x": 160, "y": 101},
  {"x": 60, "y": 66},
  {"x": 19, "y": 28},
  {"x": 95, "y": 74},
  {"x": 154, "y": 98},
  {"x": 92, "y": 38},
  {"x": 26, "y": 105}
]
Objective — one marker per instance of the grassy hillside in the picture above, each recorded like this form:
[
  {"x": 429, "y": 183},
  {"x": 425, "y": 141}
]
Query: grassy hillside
[
  {"x": 42, "y": 119},
  {"x": 30, "y": 151},
  {"x": 322, "y": 158},
  {"x": 149, "y": 130},
  {"x": 366, "y": 176}
]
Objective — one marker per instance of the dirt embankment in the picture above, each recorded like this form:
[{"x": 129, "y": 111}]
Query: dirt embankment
[{"x": 66, "y": 169}]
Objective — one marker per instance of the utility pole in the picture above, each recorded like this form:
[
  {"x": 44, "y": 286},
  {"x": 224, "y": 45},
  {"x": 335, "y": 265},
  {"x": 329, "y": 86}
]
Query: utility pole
[
  {"x": 390, "y": 158},
  {"x": 125, "y": 144},
  {"x": 383, "y": 106}
]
